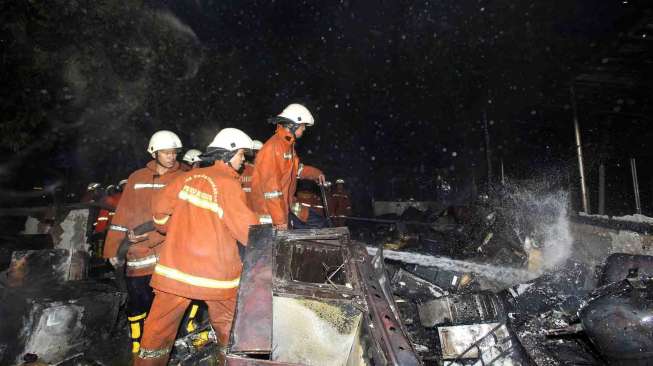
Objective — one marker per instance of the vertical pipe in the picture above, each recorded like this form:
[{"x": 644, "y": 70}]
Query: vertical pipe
[
  {"x": 633, "y": 171},
  {"x": 503, "y": 174},
  {"x": 579, "y": 152},
  {"x": 488, "y": 152},
  {"x": 602, "y": 189}
]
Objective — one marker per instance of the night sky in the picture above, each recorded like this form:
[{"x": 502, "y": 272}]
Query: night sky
[{"x": 399, "y": 89}]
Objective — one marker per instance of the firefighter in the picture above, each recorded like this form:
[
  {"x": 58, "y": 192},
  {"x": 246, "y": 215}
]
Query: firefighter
[
  {"x": 106, "y": 214},
  {"x": 277, "y": 168},
  {"x": 191, "y": 159},
  {"x": 93, "y": 193},
  {"x": 340, "y": 204},
  {"x": 104, "y": 218},
  {"x": 134, "y": 209},
  {"x": 203, "y": 213},
  {"x": 308, "y": 209},
  {"x": 248, "y": 170}
]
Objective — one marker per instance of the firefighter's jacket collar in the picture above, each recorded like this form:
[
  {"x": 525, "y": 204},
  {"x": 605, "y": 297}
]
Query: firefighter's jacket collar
[
  {"x": 151, "y": 165},
  {"x": 285, "y": 135}
]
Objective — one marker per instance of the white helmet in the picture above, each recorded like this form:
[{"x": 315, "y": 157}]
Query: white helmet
[
  {"x": 93, "y": 186},
  {"x": 298, "y": 114},
  {"x": 256, "y": 145},
  {"x": 192, "y": 156},
  {"x": 231, "y": 139},
  {"x": 162, "y": 140}
]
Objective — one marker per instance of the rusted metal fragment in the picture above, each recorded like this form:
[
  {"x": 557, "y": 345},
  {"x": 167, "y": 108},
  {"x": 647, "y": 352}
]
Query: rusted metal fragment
[
  {"x": 385, "y": 326},
  {"x": 252, "y": 327}
]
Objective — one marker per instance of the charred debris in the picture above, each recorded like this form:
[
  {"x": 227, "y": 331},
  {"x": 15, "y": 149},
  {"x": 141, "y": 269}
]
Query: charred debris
[{"x": 503, "y": 281}]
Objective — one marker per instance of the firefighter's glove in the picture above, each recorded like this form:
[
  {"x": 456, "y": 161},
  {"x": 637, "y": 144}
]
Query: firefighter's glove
[{"x": 114, "y": 261}]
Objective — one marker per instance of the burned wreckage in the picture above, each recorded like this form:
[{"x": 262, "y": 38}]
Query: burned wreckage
[{"x": 446, "y": 287}]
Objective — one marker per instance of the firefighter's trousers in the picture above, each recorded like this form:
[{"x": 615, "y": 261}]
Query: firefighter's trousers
[
  {"x": 139, "y": 300},
  {"x": 163, "y": 322}
]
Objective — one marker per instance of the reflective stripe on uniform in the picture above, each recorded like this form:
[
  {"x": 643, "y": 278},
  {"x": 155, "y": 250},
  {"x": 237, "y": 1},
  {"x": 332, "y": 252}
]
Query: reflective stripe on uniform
[
  {"x": 148, "y": 185},
  {"x": 200, "y": 199},
  {"x": 299, "y": 171},
  {"x": 103, "y": 218},
  {"x": 160, "y": 221},
  {"x": 143, "y": 262},
  {"x": 118, "y": 228},
  {"x": 271, "y": 195},
  {"x": 307, "y": 205},
  {"x": 193, "y": 311},
  {"x": 246, "y": 178},
  {"x": 195, "y": 280},
  {"x": 136, "y": 318},
  {"x": 247, "y": 189},
  {"x": 287, "y": 156},
  {"x": 154, "y": 353},
  {"x": 135, "y": 330},
  {"x": 265, "y": 219}
]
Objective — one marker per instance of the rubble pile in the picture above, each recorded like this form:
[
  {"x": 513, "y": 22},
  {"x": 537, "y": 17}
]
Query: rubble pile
[
  {"x": 477, "y": 285},
  {"x": 473, "y": 285}
]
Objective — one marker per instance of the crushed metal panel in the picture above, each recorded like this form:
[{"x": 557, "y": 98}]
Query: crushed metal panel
[
  {"x": 313, "y": 332},
  {"x": 407, "y": 284},
  {"x": 461, "y": 309},
  {"x": 252, "y": 327},
  {"x": 475, "y": 341},
  {"x": 340, "y": 273},
  {"x": 56, "y": 322}
]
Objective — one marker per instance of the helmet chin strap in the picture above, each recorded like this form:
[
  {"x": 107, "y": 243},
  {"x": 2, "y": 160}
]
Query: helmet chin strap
[
  {"x": 156, "y": 158},
  {"x": 158, "y": 162},
  {"x": 292, "y": 127}
]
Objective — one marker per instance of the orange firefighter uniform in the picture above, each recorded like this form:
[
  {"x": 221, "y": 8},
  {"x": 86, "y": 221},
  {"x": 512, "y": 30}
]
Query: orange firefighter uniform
[
  {"x": 246, "y": 182},
  {"x": 106, "y": 215},
  {"x": 204, "y": 213},
  {"x": 307, "y": 200},
  {"x": 274, "y": 181},
  {"x": 134, "y": 209}
]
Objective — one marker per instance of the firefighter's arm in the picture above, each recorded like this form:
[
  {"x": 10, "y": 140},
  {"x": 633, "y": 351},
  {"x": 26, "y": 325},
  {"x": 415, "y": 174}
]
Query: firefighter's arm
[
  {"x": 235, "y": 213},
  {"x": 121, "y": 220},
  {"x": 269, "y": 169},
  {"x": 311, "y": 173},
  {"x": 163, "y": 204}
]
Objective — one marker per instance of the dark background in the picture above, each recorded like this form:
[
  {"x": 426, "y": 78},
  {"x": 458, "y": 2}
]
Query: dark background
[{"x": 399, "y": 89}]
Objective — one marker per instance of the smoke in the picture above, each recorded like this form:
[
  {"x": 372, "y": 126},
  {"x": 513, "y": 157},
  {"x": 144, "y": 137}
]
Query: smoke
[{"x": 115, "y": 89}]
